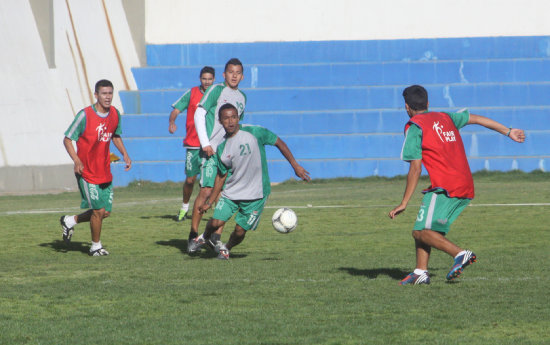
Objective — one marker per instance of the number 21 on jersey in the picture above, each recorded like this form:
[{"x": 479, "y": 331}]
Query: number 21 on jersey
[{"x": 245, "y": 149}]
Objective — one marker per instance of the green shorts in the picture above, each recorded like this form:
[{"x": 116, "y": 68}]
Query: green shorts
[
  {"x": 249, "y": 211},
  {"x": 209, "y": 170},
  {"x": 438, "y": 212},
  {"x": 192, "y": 162},
  {"x": 95, "y": 196}
]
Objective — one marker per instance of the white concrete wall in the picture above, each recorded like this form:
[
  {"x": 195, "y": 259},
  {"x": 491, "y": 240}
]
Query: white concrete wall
[
  {"x": 182, "y": 21},
  {"x": 37, "y": 103}
]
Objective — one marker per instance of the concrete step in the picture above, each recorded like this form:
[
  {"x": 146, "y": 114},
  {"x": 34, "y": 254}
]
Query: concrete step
[
  {"x": 357, "y": 74},
  {"x": 349, "y": 51},
  {"x": 366, "y": 97},
  {"x": 353, "y": 146},
  {"x": 337, "y": 122}
]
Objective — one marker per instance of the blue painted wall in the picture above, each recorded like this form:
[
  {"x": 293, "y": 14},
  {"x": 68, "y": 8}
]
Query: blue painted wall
[{"x": 338, "y": 104}]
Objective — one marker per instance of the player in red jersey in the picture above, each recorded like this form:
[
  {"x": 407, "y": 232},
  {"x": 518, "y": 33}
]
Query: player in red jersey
[
  {"x": 432, "y": 139},
  {"x": 93, "y": 129},
  {"x": 190, "y": 101}
]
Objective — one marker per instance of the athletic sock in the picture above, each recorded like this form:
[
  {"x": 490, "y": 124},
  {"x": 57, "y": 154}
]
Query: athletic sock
[
  {"x": 419, "y": 271},
  {"x": 95, "y": 246},
  {"x": 185, "y": 207},
  {"x": 69, "y": 221},
  {"x": 461, "y": 253},
  {"x": 193, "y": 235},
  {"x": 215, "y": 237}
]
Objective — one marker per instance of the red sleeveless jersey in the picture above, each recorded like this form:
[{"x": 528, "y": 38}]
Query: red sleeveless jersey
[
  {"x": 443, "y": 155},
  {"x": 191, "y": 138},
  {"x": 93, "y": 145}
]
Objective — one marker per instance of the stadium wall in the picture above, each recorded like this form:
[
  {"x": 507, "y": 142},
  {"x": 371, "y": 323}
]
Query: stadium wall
[
  {"x": 59, "y": 48},
  {"x": 54, "y": 52},
  {"x": 175, "y": 21}
]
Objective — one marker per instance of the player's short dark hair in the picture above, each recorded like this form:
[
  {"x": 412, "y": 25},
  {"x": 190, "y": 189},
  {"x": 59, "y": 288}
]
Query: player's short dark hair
[
  {"x": 225, "y": 107},
  {"x": 416, "y": 97},
  {"x": 233, "y": 61},
  {"x": 207, "y": 69},
  {"x": 103, "y": 83}
]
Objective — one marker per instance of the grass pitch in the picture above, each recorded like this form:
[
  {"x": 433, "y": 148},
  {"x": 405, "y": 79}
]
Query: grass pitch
[{"x": 332, "y": 281}]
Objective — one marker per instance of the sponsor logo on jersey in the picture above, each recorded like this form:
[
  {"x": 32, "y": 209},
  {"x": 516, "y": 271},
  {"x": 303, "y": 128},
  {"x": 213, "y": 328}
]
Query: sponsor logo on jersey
[
  {"x": 444, "y": 136},
  {"x": 102, "y": 135},
  {"x": 240, "y": 107}
]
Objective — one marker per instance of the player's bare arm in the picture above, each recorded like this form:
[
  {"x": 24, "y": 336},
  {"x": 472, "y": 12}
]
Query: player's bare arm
[
  {"x": 218, "y": 186},
  {"x": 516, "y": 134},
  {"x": 415, "y": 169},
  {"x": 117, "y": 140},
  {"x": 78, "y": 166},
  {"x": 172, "y": 121},
  {"x": 298, "y": 169}
]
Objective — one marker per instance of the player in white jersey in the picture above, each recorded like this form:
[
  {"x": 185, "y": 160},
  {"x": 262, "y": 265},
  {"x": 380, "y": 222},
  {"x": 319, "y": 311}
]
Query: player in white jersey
[
  {"x": 211, "y": 132},
  {"x": 247, "y": 188}
]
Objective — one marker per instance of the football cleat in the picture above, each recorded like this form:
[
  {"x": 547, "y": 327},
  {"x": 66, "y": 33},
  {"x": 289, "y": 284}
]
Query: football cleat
[
  {"x": 195, "y": 244},
  {"x": 182, "y": 215},
  {"x": 217, "y": 246},
  {"x": 98, "y": 252},
  {"x": 67, "y": 232},
  {"x": 416, "y": 279},
  {"x": 221, "y": 249},
  {"x": 223, "y": 254},
  {"x": 460, "y": 263}
]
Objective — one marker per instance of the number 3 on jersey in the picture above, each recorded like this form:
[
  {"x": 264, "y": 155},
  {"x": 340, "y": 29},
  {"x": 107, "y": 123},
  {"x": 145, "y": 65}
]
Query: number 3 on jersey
[
  {"x": 420, "y": 215},
  {"x": 245, "y": 149}
]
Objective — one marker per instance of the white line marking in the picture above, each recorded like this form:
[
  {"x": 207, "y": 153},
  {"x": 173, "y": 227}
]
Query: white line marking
[{"x": 147, "y": 202}]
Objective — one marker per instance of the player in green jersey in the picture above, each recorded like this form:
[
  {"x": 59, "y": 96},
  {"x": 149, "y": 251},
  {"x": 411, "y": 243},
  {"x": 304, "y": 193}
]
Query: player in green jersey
[
  {"x": 246, "y": 190},
  {"x": 93, "y": 129},
  {"x": 432, "y": 139},
  {"x": 190, "y": 101},
  {"x": 211, "y": 132}
]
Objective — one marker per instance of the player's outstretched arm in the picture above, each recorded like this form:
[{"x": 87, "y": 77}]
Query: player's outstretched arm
[
  {"x": 515, "y": 134},
  {"x": 117, "y": 140},
  {"x": 415, "y": 169},
  {"x": 298, "y": 169}
]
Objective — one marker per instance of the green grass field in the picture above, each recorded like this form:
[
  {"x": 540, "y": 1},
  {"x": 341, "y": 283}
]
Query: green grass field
[{"x": 332, "y": 281}]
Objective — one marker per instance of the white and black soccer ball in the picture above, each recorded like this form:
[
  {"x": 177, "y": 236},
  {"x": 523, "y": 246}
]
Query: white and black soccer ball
[{"x": 284, "y": 220}]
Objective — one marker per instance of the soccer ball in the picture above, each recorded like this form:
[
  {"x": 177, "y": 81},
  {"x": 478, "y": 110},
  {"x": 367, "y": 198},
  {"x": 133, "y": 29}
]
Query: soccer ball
[{"x": 284, "y": 220}]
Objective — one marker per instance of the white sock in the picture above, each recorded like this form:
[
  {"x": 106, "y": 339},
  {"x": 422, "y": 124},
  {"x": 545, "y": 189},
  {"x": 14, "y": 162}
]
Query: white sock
[
  {"x": 95, "y": 246},
  {"x": 419, "y": 271},
  {"x": 69, "y": 221},
  {"x": 185, "y": 207},
  {"x": 461, "y": 253}
]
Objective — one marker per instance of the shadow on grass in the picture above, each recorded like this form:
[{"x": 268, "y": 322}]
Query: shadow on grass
[
  {"x": 174, "y": 218},
  {"x": 176, "y": 243},
  {"x": 167, "y": 216},
  {"x": 394, "y": 273},
  {"x": 60, "y": 246},
  {"x": 205, "y": 254}
]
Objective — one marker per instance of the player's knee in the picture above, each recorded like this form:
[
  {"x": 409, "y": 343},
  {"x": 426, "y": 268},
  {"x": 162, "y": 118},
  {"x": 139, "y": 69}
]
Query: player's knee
[
  {"x": 239, "y": 231},
  {"x": 417, "y": 234},
  {"x": 99, "y": 213},
  {"x": 205, "y": 192},
  {"x": 190, "y": 180},
  {"x": 107, "y": 214},
  {"x": 216, "y": 223}
]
